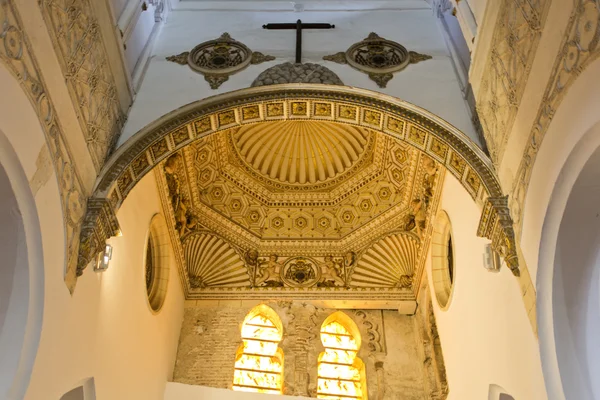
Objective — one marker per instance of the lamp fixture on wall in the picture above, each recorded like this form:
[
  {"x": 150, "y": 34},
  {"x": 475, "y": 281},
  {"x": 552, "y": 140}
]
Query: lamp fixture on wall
[{"x": 104, "y": 259}]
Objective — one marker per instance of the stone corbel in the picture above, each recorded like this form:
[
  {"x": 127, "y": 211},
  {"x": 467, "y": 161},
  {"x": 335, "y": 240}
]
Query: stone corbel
[
  {"x": 496, "y": 224},
  {"x": 100, "y": 224}
]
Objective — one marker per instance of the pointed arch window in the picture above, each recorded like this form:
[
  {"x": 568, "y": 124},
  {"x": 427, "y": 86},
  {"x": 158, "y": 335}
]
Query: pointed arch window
[
  {"x": 341, "y": 374},
  {"x": 259, "y": 360}
]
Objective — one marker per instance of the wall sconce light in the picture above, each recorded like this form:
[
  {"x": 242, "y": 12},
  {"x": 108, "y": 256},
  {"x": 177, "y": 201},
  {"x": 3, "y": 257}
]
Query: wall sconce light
[{"x": 104, "y": 259}]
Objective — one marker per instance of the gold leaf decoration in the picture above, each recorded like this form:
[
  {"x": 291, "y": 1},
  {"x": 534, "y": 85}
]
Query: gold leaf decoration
[
  {"x": 390, "y": 262},
  {"x": 211, "y": 261}
]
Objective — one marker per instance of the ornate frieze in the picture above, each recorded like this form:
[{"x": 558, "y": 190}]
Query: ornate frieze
[
  {"x": 79, "y": 45},
  {"x": 579, "y": 48},
  {"x": 17, "y": 56},
  {"x": 218, "y": 59},
  {"x": 378, "y": 57},
  {"x": 513, "y": 48}
]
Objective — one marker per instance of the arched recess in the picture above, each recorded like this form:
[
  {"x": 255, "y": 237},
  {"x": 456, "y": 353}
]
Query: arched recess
[
  {"x": 569, "y": 276},
  {"x": 22, "y": 267},
  {"x": 156, "y": 262},
  {"x": 341, "y": 105}
]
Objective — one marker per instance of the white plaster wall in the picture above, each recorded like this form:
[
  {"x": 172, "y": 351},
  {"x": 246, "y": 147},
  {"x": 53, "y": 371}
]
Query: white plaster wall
[
  {"x": 106, "y": 330},
  {"x": 576, "y": 115},
  {"x": 180, "y": 391},
  {"x": 485, "y": 333},
  {"x": 432, "y": 84}
]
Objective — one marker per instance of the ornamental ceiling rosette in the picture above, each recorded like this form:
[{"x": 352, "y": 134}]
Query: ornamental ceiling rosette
[
  {"x": 378, "y": 57},
  {"x": 218, "y": 59}
]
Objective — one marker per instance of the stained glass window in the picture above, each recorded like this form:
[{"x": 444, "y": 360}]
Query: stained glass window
[
  {"x": 259, "y": 362},
  {"x": 340, "y": 371}
]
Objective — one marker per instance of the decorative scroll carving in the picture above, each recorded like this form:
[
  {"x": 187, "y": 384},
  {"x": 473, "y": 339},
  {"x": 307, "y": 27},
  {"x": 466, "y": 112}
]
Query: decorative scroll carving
[
  {"x": 99, "y": 225},
  {"x": 218, "y": 59},
  {"x": 579, "y": 49},
  {"x": 17, "y": 56},
  {"x": 78, "y": 42},
  {"x": 376, "y": 344},
  {"x": 516, "y": 37},
  {"x": 497, "y": 225},
  {"x": 377, "y": 57}
]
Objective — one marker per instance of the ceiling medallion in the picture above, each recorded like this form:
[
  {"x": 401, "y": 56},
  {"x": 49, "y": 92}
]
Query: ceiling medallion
[
  {"x": 220, "y": 58},
  {"x": 377, "y": 57}
]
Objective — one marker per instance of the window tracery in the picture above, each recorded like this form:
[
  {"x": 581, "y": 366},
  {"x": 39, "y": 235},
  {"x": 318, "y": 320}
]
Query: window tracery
[
  {"x": 341, "y": 374},
  {"x": 259, "y": 362}
]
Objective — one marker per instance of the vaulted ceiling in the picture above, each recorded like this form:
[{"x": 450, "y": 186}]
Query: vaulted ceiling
[{"x": 344, "y": 208}]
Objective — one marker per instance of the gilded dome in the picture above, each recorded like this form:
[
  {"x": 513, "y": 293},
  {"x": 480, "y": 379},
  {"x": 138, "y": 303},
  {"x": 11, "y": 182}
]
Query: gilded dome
[{"x": 301, "y": 152}]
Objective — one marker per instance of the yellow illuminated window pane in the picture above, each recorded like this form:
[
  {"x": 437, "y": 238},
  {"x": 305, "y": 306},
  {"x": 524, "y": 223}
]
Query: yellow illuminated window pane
[
  {"x": 337, "y": 371},
  {"x": 339, "y": 387},
  {"x": 261, "y": 348},
  {"x": 267, "y": 364},
  {"x": 338, "y": 378},
  {"x": 338, "y": 342},
  {"x": 258, "y": 369},
  {"x": 339, "y": 356},
  {"x": 261, "y": 332}
]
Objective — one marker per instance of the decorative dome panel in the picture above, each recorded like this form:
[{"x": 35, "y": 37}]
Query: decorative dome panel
[{"x": 301, "y": 152}]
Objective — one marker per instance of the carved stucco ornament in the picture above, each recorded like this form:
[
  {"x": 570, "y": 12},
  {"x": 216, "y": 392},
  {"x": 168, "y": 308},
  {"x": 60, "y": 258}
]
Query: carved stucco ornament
[
  {"x": 377, "y": 57},
  {"x": 99, "y": 225},
  {"x": 497, "y": 225},
  {"x": 218, "y": 59}
]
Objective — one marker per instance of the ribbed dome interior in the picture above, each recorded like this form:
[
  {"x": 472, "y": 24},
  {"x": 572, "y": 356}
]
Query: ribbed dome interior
[{"x": 301, "y": 151}]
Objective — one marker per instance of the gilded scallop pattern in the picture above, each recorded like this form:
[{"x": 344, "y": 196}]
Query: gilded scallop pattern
[{"x": 301, "y": 152}]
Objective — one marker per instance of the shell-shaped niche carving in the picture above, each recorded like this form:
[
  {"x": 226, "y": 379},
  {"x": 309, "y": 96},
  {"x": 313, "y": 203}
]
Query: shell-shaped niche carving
[
  {"x": 211, "y": 261},
  {"x": 301, "y": 152},
  {"x": 388, "y": 263}
]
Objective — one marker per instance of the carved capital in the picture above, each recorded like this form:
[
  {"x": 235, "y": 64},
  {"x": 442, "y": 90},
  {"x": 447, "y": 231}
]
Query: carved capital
[
  {"x": 100, "y": 224},
  {"x": 497, "y": 225}
]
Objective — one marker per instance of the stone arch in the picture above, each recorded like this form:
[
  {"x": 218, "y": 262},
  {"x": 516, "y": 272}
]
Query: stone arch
[{"x": 342, "y": 105}]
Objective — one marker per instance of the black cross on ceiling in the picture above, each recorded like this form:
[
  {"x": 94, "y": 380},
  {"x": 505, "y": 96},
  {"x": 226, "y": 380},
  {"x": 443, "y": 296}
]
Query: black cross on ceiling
[{"x": 298, "y": 26}]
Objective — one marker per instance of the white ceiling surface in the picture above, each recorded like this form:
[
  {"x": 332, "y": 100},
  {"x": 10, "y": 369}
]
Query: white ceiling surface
[{"x": 300, "y": 5}]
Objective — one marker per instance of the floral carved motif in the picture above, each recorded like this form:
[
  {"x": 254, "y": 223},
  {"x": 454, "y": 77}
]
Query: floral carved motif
[
  {"x": 218, "y": 59},
  {"x": 78, "y": 43},
  {"x": 578, "y": 50},
  {"x": 17, "y": 56}
]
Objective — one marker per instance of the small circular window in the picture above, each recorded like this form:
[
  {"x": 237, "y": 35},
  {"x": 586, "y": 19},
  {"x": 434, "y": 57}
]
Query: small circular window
[
  {"x": 156, "y": 262},
  {"x": 442, "y": 259}
]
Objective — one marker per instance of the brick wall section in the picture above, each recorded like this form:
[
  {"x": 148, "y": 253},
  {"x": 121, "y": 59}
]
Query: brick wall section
[{"x": 210, "y": 337}]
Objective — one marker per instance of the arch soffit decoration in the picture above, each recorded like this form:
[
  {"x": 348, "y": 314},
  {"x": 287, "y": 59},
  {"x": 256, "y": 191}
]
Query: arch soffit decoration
[{"x": 344, "y": 105}]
